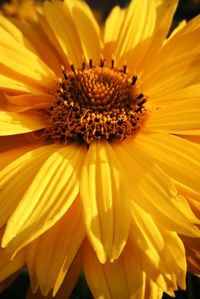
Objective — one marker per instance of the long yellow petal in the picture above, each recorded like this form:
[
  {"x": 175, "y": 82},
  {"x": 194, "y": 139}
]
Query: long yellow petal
[
  {"x": 157, "y": 254},
  {"x": 86, "y": 26},
  {"x": 58, "y": 17},
  {"x": 67, "y": 285},
  {"x": 123, "y": 278},
  {"x": 21, "y": 103},
  {"x": 177, "y": 64},
  {"x": 25, "y": 66},
  {"x": 178, "y": 157},
  {"x": 52, "y": 192},
  {"x": 12, "y": 147},
  {"x": 106, "y": 203},
  {"x": 137, "y": 27},
  {"x": 55, "y": 251},
  {"x": 178, "y": 118},
  {"x": 9, "y": 266},
  {"x": 16, "y": 178},
  {"x": 164, "y": 14},
  {"x": 17, "y": 123},
  {"x": 153, "y": 190}
]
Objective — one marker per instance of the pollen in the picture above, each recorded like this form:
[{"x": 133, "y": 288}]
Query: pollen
[{"x": 95, "y": 103}]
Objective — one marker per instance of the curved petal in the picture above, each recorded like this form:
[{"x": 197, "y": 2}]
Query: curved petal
[
  {"x": 164, "y": 14},
  {"x": 154, "y": 191},
  {"x": 157, "y": 250},
  {"x": 178, "y": 157},
  {"x": 59, "y": 17},
  {"x": 137, "y": 26},
  {"x": 17, "y": 123},
  {"x": 106, "y": 203},
  {"x": 189, "y": 93},
  {"x": 8, "y": 265},
  {"x": 178, "y": 118},
  {"x": 177, "y": 64},
  {"x": 12, "y": 147},
  {"x": 21, "y": 103},
  {"x": 21, "y": 64},
  {"x": 192, "y": 247},
  {"x": 40, "y": 43},
  {"x": 55, "y": 252},
  {"x": 86, "y": 26},
  {"x": 123, "y": 278},
  {"x": 52, "y": 191},
  {"x": 67, "y": 285}
]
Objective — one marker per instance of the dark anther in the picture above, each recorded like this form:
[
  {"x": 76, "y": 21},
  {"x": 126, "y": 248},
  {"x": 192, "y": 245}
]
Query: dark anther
[
  {"x": 124, "y": 69},
  {"x": 102, "y": 62},
  {"x": 134, "y": 79},
  {"x": 83, "y": 66},
  {"x": 112, "y": 63},
  {"x": 73, "y": 68},
  {"x": 90, "y": 63},
  {"x": 142, "y": 102},
  {"x": 63, "y": 71},
  {"x": 140, "y": 96}
]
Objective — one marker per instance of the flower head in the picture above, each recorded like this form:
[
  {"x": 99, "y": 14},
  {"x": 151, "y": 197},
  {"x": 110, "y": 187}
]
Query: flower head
[{"x": 100, "y": 156}]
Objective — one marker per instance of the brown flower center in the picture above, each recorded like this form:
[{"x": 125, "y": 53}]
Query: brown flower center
[{"x": 96, "y": 102}]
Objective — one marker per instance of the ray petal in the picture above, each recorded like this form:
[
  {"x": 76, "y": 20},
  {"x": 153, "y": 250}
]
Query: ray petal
[
  {"x": 106, "y": 204},
  {"x": 52, "y": 191}
]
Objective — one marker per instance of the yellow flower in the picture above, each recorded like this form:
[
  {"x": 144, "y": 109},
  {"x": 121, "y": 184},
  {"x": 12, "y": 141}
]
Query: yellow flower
[
  {"x": 99, "y": 149},
  {"x": 21, "y": 9}
]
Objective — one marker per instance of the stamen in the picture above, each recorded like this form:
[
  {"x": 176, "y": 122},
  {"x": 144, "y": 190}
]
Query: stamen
[
  {"x": 90, "y": 63},
  {"x": 73, "y": 68},
  {"x": 134, "y": 79}
]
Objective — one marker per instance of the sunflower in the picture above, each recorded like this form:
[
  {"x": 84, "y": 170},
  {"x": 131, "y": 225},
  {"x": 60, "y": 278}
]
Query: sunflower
[{"x": 99, "y": 149}]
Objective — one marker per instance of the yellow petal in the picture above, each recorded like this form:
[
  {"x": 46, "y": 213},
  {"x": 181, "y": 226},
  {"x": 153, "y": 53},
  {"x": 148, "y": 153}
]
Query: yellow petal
[
  {"x": 178, "y": 157},
  {"x": 29, "y": 101},
  {"x": 21, "y": 64},
  {"x": 137, "y": 27},
  {"x": 153, "y": 190},
  {"x": 52, "y": 191},
  {"x": 86, "y": 26},
  {"x": 192, "y": 247},
  {"x": 12, "y": 147},
  {"x": 189, "y": 93},
  {"x": 178, "y": 118},
  {"x": 17, "y": 123},
  {"x": 59, "y": 17},
  {"x": 16, "y": 178},
  {"x": 177, "y": 64},
  {"x": 67, "y": 285},
  {"x": 12, "y": 31},
  {"x": 14, "y": 86},
  {"x": 164, "y": 14},
  {"x": 10, "y": 266},
  {"x": 106, "y": 203},
  {"x": 157, "y": 254},
  {"x": 40, "y": 43},
  {"x": 55, "y": 252},
  {"x": 123, "y": 278}
]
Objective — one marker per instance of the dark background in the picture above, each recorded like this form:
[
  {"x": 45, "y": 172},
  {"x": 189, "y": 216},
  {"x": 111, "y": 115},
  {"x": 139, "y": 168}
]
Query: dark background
[{"x": 187, "y": 9}]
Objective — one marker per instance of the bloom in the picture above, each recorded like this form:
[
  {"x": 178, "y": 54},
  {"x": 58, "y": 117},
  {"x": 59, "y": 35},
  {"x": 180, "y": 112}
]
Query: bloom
[{"x": 100, "y": 155}]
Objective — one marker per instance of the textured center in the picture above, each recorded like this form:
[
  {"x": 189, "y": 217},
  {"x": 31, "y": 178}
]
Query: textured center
[{"x": 96, "y": 102}]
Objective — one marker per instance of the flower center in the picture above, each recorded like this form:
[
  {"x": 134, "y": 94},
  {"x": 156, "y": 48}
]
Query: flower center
[{"x": 96, "y": 102}]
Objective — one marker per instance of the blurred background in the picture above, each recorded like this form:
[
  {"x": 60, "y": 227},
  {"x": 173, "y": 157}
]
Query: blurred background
[{"x": 187, "y": 9}]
